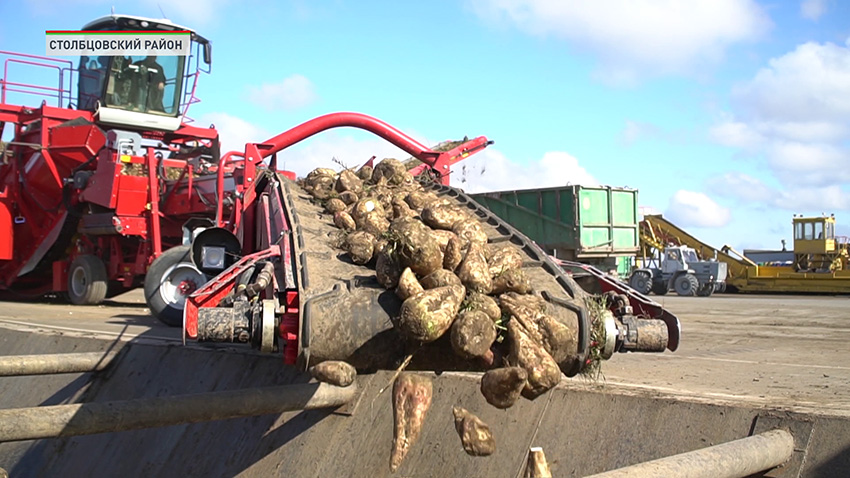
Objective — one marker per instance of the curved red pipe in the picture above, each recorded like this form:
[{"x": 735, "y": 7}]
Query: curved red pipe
[{"x": 355, "y": 120}]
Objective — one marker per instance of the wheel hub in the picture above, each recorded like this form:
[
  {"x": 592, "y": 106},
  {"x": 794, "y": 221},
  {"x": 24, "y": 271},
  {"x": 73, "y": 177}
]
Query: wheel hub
[{"x": 180, "y": 281}]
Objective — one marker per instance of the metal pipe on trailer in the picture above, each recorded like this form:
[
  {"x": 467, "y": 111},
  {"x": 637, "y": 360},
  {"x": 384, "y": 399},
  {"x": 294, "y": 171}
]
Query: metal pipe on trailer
[
  {"x": 17, "y": 365},
  {"x": 735, "y": 459},
  {"x": 105, "y": 417}
]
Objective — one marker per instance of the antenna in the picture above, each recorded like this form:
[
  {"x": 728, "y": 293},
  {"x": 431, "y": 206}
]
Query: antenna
[
  {"x": 162, "y": 12},
  {"x": 113, "y": 9}
]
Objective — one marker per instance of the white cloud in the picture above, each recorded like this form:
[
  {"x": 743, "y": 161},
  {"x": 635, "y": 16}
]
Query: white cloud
[
  {"x": 690, "y": 208},
  {"x": 491, "y": 170},
  {"x": 741, "y": 186},
  {"x": 637, "y": 130},
  {"x": 795, "y": 113},
  {"x": 291, "y": 93},
  {"x": 812, "y": 9},
  {"x": 634, "y": 38},
  {"x": 811, "y": 83},
  {"x": 736, "y": 134},
  {"x": 233, "y": 132},
  {"x": 798, "y": 199}
]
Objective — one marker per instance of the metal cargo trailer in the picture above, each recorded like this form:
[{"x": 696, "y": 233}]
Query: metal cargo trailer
[{"x": 594, "y": 225}]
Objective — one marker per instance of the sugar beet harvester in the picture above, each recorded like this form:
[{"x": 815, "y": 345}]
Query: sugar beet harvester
[
  {"x": 104, "y": 191},
  {"x": 118, "y": 190}
]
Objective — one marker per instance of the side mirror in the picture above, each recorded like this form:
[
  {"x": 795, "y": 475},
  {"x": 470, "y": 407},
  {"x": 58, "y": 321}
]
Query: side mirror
[{"x": 207, "y": 53}]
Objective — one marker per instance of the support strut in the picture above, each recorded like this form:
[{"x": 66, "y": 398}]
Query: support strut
[
  {"x": 15, "y": 365},
  {"x": 89, "y": 418},
  {"x": 735, "y": 459}
]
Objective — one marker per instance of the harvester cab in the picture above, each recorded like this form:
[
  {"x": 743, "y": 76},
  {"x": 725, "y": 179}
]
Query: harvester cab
[
  {"x": 140, "y": 92},
  {"x": 816, "y": 247}
]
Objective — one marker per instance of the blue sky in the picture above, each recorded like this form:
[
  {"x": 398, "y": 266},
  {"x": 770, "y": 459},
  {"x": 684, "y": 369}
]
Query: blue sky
[{"x": 728, "y": 115}]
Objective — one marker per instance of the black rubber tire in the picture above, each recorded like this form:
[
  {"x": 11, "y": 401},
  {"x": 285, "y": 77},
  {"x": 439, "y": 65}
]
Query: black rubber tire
[
  {"x": 167, "y": 313},
  {"x": 686, "y": 285},
  {"x": 705, "y": 290},
  {"x": 641, "y": 281},
  {"x": 659, "y": 287},
  {"x": 87, "y": 280}
]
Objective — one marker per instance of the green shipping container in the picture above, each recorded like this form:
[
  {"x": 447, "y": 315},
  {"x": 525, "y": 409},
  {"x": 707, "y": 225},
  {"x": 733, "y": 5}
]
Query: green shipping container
[{"x": 588, "y": 224}]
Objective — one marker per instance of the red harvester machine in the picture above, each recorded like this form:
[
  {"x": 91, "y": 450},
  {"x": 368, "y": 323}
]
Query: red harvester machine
[
  {"x": 112, "y": 188},
  {"x": 104, "y": 191}
]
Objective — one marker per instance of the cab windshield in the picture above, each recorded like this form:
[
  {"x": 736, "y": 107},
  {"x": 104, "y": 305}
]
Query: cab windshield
[{"x": 145, "y": 84}]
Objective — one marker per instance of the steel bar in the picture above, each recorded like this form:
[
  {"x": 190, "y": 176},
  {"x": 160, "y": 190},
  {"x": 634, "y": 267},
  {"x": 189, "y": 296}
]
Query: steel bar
[
  {"x": 15, "y": 365},
  {"x": 735, "y": 459},
  {"x": 104, "y": 417}
]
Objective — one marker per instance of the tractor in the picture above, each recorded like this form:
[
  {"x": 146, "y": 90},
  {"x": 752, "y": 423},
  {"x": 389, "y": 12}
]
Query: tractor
[{"x": 680, "y": 270}]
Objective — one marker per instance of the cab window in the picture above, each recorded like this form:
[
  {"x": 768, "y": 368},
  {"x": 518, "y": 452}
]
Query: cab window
[{"x": 147, "y": 84}]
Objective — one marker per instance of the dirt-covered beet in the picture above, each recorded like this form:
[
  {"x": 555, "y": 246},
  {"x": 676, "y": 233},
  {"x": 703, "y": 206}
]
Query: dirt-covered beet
[
  {"x": 473, "y": 272},
  {"x": 503, "y": 258},
  {"x": 348, "y": 197},
  {"x": 348, "y": 181},
  {"x": 426, "y": 316},
  {"x": 365, "y": 173},
  {"x": 415, "y": 247},
  {"x": 417, "y": 200},
  {"x": 440, "y": 278},
  {"x": 373, "y": 223},
  {"x": 344, "y": 221},
  {"x": 475, "y": 435},
  {"x": 557, "y": 339},
  {"x": 511, "y": 280},
  {"x": 408, "y": 285},
  {"x": 473, "y": 333},
  {"x": 334, "y": 372},
  {"x": 334, "y": 205},
  {"x": 365, "y": 207},
  {"x": 453, "y": 255},
  {"x": 443, "y": 216},
  {"x": 543, "y": 372},
  {"x": 442, "y": 237},
  {"x": 502, "y": 387},
  {"x": 412, "y": 396},
  {"x": 390, "y": 169},
  {"x": 401, "y": 209},
  {"x": 313, "y": 175},
  {"x": 387, "y": 269},
  {"x": 469, "y": 231},
  {"x": 360, "y": 246},
  {"x": 484, "y": 303}
]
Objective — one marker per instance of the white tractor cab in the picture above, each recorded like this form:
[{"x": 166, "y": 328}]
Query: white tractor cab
[
  {"x": 143, "y": 92},
  {"x": 681, "y": 270}
]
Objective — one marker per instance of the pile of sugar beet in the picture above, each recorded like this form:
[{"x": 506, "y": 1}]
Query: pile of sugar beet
[{"x": 435, "y": 255}]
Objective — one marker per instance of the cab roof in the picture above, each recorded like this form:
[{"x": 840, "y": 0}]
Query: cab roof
[{"x": 134, "y": 22}]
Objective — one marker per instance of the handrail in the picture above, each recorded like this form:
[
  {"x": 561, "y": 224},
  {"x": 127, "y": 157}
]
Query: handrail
[{"x": 25, "y": 88}]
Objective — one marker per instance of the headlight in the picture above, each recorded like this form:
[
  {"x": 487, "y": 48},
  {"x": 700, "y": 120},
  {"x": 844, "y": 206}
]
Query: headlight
[{"x": 212, "y": 257}]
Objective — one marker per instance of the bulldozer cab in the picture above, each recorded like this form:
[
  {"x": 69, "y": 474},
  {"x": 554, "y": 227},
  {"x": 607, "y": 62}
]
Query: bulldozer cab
[
  {"x": 814, "y": 235},
  {"x": 139, "y": 91}
]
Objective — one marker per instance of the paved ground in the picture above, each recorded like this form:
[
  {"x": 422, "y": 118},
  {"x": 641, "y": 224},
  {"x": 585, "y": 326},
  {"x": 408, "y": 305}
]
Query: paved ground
[
  {"x": 789, "y": 351},
  {"x": 785, "y": 351}
]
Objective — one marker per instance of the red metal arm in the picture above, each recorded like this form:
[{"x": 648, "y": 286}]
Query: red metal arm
[
  {"x": 440, "y": 162},
  {"x": 354, "y": 120}
]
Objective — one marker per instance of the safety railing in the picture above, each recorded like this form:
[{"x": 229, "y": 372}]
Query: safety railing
[{"x": 64, "y": 69}]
